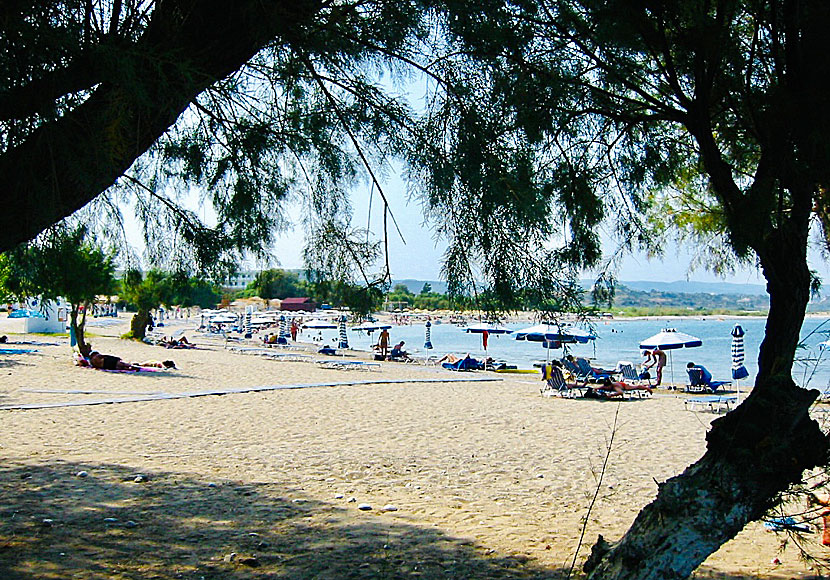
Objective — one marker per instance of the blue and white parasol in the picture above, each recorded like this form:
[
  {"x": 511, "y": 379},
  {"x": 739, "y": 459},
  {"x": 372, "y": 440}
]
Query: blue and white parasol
[
  {"x": 670, "y": 339},
  {"x": 738, "y": 369},
  {"x": 427, "y": 335},
  {"x": 344, "y": 340}
]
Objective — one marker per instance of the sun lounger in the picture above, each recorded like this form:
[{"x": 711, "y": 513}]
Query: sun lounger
[
  {"x": 713, "y": 403},
  {"x": 467, "y": 363},
  {"x": 556, "y": 386},
  {"x": 698, "y": 385},
  {"x": 591, "y": 373},
  {"x": 630, "y": 375},
  {"x": 356, "y": 365}
]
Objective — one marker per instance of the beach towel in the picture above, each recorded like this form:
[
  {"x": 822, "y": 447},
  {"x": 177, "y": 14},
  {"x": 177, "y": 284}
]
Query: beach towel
[{"x": 17, "y": 350}]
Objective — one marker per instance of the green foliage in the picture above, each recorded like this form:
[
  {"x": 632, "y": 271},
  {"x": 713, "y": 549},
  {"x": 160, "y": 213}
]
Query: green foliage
[
  {"x": 276, "y": 283},
  {"x": 60, "y": 263}
]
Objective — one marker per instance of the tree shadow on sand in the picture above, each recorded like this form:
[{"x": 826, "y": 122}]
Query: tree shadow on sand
[
  {"x": 77, "y": 520},
  {"x": 116, "y": 523}
]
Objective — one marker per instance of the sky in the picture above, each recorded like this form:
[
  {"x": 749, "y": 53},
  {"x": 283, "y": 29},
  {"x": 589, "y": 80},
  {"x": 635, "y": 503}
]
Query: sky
[{"x": 418, "y": 256}]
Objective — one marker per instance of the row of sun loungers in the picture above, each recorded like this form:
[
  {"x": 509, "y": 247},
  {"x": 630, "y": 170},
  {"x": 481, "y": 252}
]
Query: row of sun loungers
[{"x": 356, "y": 365}]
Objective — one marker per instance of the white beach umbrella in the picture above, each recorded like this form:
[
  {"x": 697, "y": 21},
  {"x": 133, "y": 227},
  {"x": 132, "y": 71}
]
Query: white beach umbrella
[{"x": 670, "y": 339}]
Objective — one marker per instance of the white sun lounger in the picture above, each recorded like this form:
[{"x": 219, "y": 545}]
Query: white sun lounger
[
  {"x": 357, "y": 365},
  {"x": 713, "y": 404}
]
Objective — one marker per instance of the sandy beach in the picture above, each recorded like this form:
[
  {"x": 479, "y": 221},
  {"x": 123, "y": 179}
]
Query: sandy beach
[{"x": 465, "y": 479}]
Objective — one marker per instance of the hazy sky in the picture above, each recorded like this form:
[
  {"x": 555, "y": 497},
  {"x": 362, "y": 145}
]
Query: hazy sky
[{"x": 420, "y": 257}]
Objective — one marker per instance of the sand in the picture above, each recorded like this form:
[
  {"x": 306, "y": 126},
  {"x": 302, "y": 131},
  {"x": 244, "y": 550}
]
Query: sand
[{"x": 487, "y": 479}]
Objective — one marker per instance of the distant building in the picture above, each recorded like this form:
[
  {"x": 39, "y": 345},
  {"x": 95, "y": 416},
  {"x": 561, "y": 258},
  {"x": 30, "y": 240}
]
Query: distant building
[
  {"x": 240, "y": 280},
  {"x": 298, "y": 304}
]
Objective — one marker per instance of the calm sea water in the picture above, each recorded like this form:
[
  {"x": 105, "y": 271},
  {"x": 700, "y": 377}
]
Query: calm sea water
[{"x": 619, "y": 340}]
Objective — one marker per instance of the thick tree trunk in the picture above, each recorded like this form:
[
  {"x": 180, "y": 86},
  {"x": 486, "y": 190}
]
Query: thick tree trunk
[
  {"x": 187, "y": 47},
  {"x": 79, "y": 328},
  {"x": 138, "y": 324},
  {"x": 753, "y": 453}
]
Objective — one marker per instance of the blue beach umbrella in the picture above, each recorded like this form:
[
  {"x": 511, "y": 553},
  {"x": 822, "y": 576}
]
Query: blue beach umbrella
[
  {"x": 370, "y": 327},
  {"x": 485, "y": 329},
  {"x": 427, "y": 335},
  {"x": 738, "y": 369},
  {"x": 554, "y": 336},
  {"x": 553, "y": 333}
]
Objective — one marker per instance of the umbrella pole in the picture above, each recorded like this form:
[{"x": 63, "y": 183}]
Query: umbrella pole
[{"x": 671, "y": 367}]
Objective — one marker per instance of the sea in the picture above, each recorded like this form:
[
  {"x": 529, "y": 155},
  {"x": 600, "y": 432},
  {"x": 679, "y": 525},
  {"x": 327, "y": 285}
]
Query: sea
[{"x": 618, "y": 340}]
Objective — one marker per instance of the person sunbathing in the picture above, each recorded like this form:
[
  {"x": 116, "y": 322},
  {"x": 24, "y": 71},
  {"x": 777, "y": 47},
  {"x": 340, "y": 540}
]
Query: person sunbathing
[
  {"x": 610, "y": 388},
  {"x": 450, "y": 358},
  {"x": 159, "y": 364},
  {"x": 107, "y": 362}
]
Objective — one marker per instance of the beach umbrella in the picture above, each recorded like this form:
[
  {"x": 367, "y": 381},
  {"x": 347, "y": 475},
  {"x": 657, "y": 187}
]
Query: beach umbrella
[
  {"x": 344, "y": 340},
  {"x": 554, "y": 333},
  {"x": 319, "y": 324},
  {"x": 249, "y": 313},
  {"x": 485, "y": 329},
  {"x": 370, "y": 327},
  {"x": 282, "y": 337},
  {"x": 427, "y": 333},
  {"x": 553, "y": 336},
  {"x": 482, "y": 327},
  {"x": 670, "y": 339},
  {"x": 738, "y": 369}
]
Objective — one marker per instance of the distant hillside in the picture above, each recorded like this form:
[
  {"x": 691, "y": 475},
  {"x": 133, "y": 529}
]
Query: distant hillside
[
  {"x": 686, "y": 287},
  {"x": 415, "y": 286},
  {"x": 630, "y": 298}
]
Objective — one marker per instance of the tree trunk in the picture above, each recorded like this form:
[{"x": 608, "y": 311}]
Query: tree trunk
[
  {"x": 753, "y": 453},
  {"x": 138, "y": 324},
  {"x": 79, "y": 328}
]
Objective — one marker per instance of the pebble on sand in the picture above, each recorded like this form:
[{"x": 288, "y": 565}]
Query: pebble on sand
[
  {"x": 81, "y": 474},
  {"x": 390, "y": 508},
  {"x": 364, "y": 507}
]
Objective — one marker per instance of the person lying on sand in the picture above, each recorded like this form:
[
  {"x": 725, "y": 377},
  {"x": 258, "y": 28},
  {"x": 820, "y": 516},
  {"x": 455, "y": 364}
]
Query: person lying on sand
[
  {"x": 113, "y": 363},
  {"x": 159, "y": 364},
  {"x": 106, "y": 362},
  {"x": 180, "y": 343}
]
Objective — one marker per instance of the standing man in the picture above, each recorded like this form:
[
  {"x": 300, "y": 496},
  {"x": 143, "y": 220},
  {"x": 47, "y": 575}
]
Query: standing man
[
  {"x": 383, "y": 342},
  {"x": 656, "y": 358}
]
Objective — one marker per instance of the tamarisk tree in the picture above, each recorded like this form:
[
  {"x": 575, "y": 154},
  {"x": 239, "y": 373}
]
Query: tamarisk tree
[{"x": 715, "y": 113}]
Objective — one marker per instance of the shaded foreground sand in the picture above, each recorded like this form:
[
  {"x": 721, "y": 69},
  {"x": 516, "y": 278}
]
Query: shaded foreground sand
[{"x": 489, "y": 479}]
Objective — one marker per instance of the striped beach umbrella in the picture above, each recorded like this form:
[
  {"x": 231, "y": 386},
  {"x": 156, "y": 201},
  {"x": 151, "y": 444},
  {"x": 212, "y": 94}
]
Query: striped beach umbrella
[
  {"x": 427, "y": 335},
  {"x": 249, "y": 313},
  {"x": 282, "y": 338},
  {"x": 738, "y": 369},
  {"x": 344, "y": 340}
]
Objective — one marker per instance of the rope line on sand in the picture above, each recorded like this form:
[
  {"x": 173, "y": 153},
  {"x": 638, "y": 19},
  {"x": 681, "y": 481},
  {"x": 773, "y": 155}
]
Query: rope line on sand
[{"x": 234, "y": 391}]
